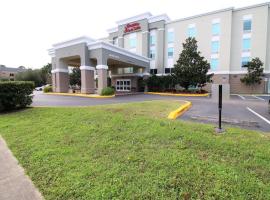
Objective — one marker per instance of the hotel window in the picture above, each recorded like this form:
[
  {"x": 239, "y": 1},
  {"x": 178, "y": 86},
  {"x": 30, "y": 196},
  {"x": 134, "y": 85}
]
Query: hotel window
[
  {"x": 152, "y": 38},
  {"x": 216, "y": 29},
  {"x": 132, "y": 40},
  {"x": 152, "y": 53},
  {"x": 246, "y": 44},
  {"x": 247, "y": 25},
  {"x": 214, "y": 63},
  {"x": 170, "y": 52},
  {"x": 128, "y": 70},
  {"x": 170, "y": 36},
  {"x": 169, "y": 70},
  {"x": 215, "y": 47},
  {"x": 245, "y": 61},
  {"x": 120, "y": 71},
  {"x": 191, "y": 31},
  {"x": 153, "y": 71}
]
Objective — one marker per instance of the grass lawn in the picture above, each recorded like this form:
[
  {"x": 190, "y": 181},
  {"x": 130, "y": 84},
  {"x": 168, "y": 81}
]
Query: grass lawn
[{"x": 131, "y": 151}]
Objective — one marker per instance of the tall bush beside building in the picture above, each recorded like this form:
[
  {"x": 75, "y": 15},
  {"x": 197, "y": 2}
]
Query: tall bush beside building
[
  {"x": 191, "y": 68},
  {"x": 161, "y": 83},
  {"x": 255, "y": 72},
  {"x": 15, "y": 94}
]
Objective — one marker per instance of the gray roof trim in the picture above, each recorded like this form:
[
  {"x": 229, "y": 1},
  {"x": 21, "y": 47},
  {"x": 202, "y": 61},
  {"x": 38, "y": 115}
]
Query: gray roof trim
[
  {"x": 201, "y": 15},
  {"x": 111, "y": 47},
  {"x": 218, "y": 11},
  {"x": 253, "y": 6}
]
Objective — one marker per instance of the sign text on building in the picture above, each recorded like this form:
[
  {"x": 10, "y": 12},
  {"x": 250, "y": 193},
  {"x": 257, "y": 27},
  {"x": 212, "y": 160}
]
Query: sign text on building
[{"x": 132, "y": 27}]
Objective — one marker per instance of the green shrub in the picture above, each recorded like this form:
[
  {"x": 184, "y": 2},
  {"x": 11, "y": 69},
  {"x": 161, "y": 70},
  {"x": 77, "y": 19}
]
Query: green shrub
[
  {"x": 15, "y": 94},
  {"x": 107, "y": 91},
  {"x": 47, "y": 89}
]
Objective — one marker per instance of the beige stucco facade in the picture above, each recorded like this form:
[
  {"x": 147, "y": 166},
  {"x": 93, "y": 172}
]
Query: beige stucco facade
[{"x": 155, "y": 42}]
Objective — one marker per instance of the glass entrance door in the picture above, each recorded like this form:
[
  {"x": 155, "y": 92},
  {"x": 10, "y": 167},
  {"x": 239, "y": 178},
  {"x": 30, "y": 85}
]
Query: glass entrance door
[{"x": 123, "y": 85}]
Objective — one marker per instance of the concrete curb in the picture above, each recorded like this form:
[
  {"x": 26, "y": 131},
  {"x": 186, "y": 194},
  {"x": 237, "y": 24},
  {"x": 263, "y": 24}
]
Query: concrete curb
[
  {"x": 79, "y": 95},
  {"x": 180, "y": 111},
  {"x": 178, "y": 95}
]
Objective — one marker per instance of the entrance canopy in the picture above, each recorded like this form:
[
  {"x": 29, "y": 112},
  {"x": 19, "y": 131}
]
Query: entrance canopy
[{"x": 91, "y": 55}]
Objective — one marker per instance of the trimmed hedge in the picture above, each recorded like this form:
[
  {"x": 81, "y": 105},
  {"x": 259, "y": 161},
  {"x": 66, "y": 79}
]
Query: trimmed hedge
[
  {"x": 107, "y": 91},
  {"x": 48, "y": 89},
  {"x": 15, "y": 94}
]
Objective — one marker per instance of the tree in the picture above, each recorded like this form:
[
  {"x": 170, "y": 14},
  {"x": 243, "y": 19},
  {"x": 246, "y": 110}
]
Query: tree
[
  {"x": 75, "y": 77},
  {"x": 255, "y": 72},
  {"x": 46, "y": 73},
  {"x": 32, "y": 75},
  {"x": 191, "y": 68},
  {"x": 38, "y": 76}
]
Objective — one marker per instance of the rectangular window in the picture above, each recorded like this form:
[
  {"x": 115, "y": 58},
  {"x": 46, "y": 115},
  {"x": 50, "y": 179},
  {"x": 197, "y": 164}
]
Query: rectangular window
[
  {"x": 170, "y": 36},
  {"x": 191, "y": 32},
  {"x": 152, "y": 54},
  {"x": 247, "y": 25},
  {"x": 246, "y": 44},
  {"x": 245, "y": 61},
  {"x": 214, "y": 64},
  {"x": 120, "y": 70},
  {"x": 215, "y": 47},
  {"x": 216, "y": 29},
  {"x": 123, "y": 85},
  {"x": 128, "y": 70},
  {"x": 170, "y": 52},
  {"x": 169, "y": 70},
  {"x": 132, "y": 40},
  {"x": 152, "y": 40},
  {"x": 153, "y": 71}
]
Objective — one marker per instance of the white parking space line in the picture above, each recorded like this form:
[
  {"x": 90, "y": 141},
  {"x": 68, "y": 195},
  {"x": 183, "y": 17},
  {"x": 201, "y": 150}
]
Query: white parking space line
[
  {"x": 258, "y": 115},
  {"x": 258, "y": 98},
  {"x": 241, "y": 96}
]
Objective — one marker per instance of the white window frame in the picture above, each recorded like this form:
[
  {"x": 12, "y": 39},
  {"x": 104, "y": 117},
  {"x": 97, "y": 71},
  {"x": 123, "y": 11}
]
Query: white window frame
[{"x": 118, "y": 86}]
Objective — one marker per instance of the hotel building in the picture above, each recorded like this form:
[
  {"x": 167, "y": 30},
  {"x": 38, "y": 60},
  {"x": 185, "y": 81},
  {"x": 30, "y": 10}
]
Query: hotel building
[{"x": 147, "y": 44}]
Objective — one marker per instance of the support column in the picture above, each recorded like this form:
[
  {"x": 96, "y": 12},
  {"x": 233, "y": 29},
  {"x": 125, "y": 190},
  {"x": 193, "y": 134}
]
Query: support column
[
  {"x": 53, "y": 74},
  {"x": 145, "y": 41},
  {"x": 102, "y": 71},
  {"x": 53, "y": 81},
  {"x": 61, "y": 76},
  {"x": 121, "y": 41},
  {"x": 160, "y": 50},
  {"x": 87, "y": 79},
  {"x": 62, "y": 80}
]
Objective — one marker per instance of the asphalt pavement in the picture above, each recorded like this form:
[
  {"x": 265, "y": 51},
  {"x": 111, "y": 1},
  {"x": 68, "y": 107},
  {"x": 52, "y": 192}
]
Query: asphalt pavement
[{"x": 249, "y": 112}]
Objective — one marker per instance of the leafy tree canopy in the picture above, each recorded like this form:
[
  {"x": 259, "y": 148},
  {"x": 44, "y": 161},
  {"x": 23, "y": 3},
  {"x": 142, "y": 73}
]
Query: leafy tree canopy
[
  {"x": 75, "y": 77},
  {"x": 255, "y": 72},
  {"x": 191, "y": 68}
]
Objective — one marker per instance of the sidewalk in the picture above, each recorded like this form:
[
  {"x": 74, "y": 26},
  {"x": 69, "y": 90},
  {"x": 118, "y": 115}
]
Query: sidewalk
[{"x": 14, "y": 184}]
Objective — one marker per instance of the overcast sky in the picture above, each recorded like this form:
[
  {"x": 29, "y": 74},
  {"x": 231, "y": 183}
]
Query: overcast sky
[{"x": 29, "y": 27}]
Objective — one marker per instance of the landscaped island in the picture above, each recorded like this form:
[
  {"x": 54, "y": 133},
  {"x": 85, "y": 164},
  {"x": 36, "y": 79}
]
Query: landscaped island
[{"x": 131, "y": 151}]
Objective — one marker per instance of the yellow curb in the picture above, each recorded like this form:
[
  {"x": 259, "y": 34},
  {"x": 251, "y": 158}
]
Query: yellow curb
[
  {"x": 79, "y": 95},
  {"x": 178, "y": 95},
  {"x": 181, "y": 110}
]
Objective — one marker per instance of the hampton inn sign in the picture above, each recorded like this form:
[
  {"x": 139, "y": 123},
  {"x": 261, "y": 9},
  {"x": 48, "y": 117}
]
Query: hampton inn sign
[{"x": 132, "y": 27}]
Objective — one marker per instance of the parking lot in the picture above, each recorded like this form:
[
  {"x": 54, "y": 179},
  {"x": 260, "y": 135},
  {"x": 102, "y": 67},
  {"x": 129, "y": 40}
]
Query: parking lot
[{"x": 246, "y": 111}]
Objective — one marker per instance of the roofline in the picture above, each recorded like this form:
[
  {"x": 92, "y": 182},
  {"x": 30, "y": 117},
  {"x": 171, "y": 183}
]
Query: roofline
[
  {"x": 221, "y": 10},
  {"x": 201, "y": 15},
  {"x": 161, "y": 17},
  {"x": 78, "y": 40},
  {"x": 134, "y": 18},
  {"x": 120, "y": 50},
  {"x": 253, "y": 6}
]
